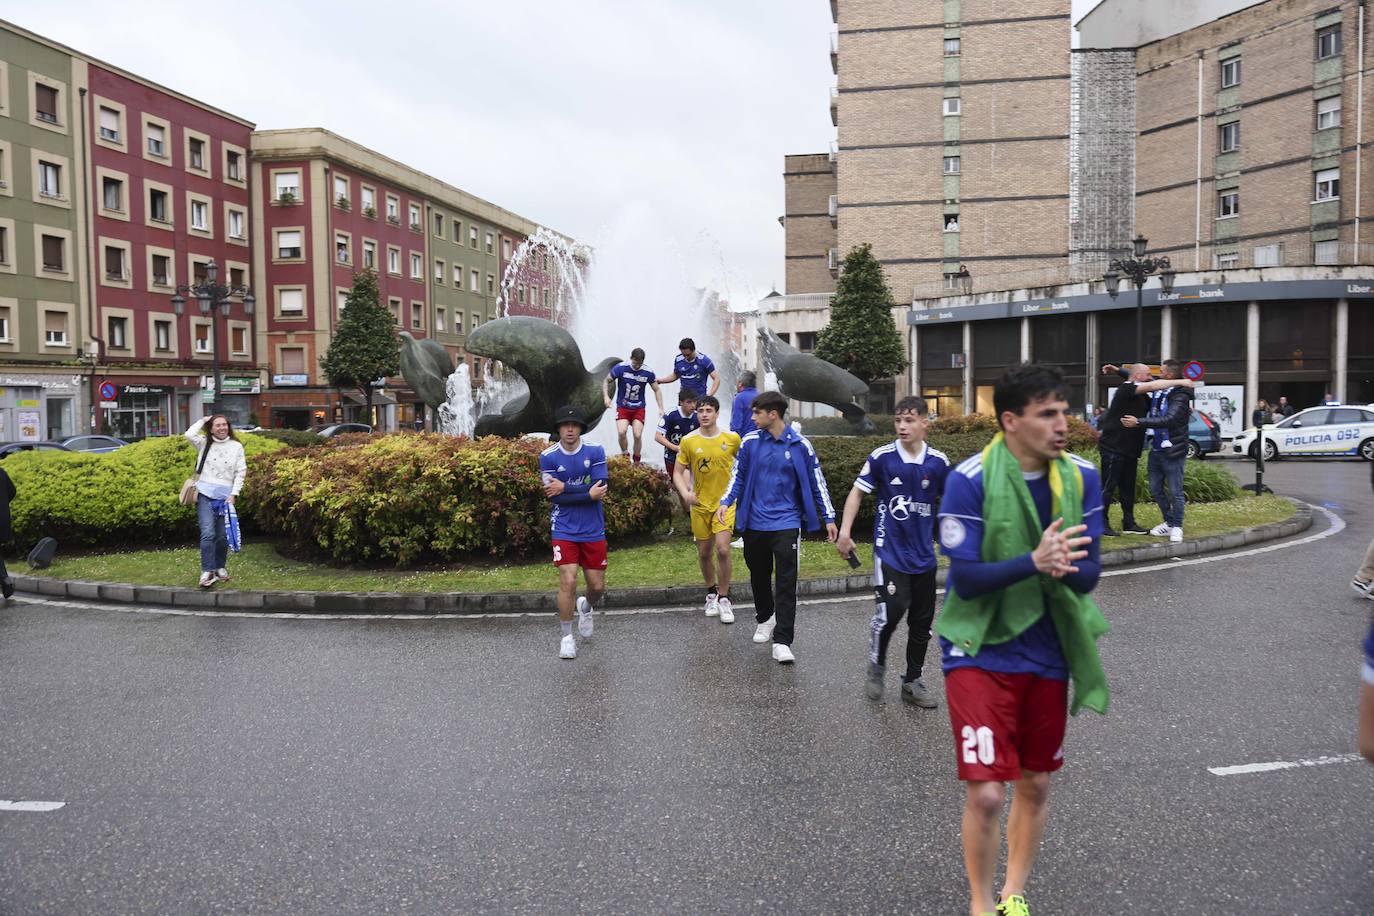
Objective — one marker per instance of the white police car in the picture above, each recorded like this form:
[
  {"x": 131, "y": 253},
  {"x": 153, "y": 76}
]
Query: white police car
[{"x": 1315, "y": 432}]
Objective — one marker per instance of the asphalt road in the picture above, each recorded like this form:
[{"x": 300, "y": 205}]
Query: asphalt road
[{"x": 214, "y": 765}]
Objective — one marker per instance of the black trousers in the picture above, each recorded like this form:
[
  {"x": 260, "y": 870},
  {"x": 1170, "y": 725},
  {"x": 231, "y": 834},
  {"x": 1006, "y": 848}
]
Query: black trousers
[
  {"x": 896, "y": 594},
  {"x": 1118, "y": 474},
  {"x": 767, "y": 552}
]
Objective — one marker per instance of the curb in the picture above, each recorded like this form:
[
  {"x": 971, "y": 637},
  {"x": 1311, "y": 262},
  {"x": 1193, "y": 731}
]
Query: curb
[{"x": 519, "y": 602}]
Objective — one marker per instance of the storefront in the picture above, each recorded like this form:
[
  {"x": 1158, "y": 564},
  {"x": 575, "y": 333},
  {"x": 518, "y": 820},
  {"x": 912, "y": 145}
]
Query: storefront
[
  {"x": 239, "y": 403},
  {"x": 136, "y": 411},
  {"x": 36, "y": 407}
]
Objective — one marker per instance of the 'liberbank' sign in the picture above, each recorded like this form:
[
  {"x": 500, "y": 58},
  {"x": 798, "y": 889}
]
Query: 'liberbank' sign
[{"x": 1153, "y": 296}]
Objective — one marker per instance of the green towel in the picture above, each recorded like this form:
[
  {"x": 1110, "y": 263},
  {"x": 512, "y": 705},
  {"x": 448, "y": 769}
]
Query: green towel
[{"x": 1011, "y": 528}]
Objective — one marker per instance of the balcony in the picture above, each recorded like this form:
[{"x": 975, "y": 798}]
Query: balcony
[
  {"x": 834, "y": 150},
  {"x": 834, "y": 209},
  {"x": 834, "y": 10},
  {"x": 835, "y": 105},
  {"x": 835, "y": 52}
]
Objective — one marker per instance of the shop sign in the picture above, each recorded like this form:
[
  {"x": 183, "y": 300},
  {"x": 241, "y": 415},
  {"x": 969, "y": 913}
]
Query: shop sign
[
  {"x": 284, "y": 380},
  {"x": 241, "y": 385},
  {"x": 145, "y": 389},
  {"x": 27, "y": 402},
  {"x": 49, "y": 382}
]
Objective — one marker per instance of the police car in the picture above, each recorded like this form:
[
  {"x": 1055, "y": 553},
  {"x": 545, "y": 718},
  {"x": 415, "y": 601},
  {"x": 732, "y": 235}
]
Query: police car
[{"x": 1315, "y": 432}]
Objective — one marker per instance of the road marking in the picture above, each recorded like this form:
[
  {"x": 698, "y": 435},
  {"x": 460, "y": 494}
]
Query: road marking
[
  {"x": 1337, "y": 525},
  {"x": 1243, "y": 768},
  {"x": 29, "y": 805}
]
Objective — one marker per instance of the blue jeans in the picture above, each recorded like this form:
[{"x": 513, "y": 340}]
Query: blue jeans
[
  {"x": 1164, "y": 471},
  {"x": 214, "y": 541}
]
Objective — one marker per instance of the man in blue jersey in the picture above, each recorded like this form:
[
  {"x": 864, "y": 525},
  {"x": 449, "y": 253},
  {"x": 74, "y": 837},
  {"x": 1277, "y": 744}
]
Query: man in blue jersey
[
  {"x": 627, "y": 382},
  {"x": 907, "y": 478},
  {"x": 1021, "y": 524},
  {"x": 778, "y": 486},
  {"x": 575, "y": 479},
  {"x": 692, "y": 369},
  {"x": 741, "y": 412},
  {"x": 675, "y": 424}
]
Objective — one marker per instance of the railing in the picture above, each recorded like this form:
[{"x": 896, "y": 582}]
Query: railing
[{"x": 799, "y": 301}]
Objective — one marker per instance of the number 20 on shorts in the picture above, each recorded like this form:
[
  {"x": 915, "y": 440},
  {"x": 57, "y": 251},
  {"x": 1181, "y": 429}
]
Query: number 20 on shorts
[{"x": 978, "y": 747}]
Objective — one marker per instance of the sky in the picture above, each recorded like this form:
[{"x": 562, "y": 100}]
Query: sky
[{"x": 568, "y": 113}]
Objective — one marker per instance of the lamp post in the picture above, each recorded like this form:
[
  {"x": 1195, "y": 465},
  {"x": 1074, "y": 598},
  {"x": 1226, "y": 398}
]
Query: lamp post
[
  {"x": 211, "y": 294},
  {"x": 1138, "y": 269}
]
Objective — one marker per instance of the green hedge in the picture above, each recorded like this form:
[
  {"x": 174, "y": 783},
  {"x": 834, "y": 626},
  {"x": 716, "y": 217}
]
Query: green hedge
[
  {"x": 413, "y": 498},
  {"x": 293, "y": 438},
  {"x": 120, "y": 497}
]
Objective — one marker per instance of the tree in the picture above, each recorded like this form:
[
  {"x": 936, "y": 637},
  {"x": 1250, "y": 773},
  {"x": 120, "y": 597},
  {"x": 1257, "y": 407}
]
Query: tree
[
  {"x": 365, "y": 346},
  {"x": 861, "y": 336}
]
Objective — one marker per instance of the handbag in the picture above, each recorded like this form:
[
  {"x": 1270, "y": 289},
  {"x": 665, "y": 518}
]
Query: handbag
[{"x": 188, "y": 494}]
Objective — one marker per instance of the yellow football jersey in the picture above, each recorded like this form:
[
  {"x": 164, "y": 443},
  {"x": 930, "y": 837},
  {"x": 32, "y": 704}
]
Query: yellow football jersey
[{"x": 711, "y": 460}]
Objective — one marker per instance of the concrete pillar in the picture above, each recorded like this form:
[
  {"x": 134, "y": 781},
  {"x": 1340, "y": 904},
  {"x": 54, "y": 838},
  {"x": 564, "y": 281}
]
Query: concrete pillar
[
  {"x": 970, "y": 392},
  {"x": 1025, "y": 340},
  {"x": 1340, "y": 349},
  {"x": 1252, "y": 354},
  {"x": 1166, "y": 333},
  {"x": 913, "y": 342},
  {"x": 1093, "y": 358}
]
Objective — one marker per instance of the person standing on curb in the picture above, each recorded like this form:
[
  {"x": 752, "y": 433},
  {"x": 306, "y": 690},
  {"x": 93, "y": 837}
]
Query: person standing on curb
[
  {"x": 777, "y": 486},
  {"x": 575, "y": 480},
  {"x": 907, "y": 478},
  {"x": 1170, "y": 410},
  {"x": 223, "y": 468},
  {"x": 1120, "y": 447},
  {"x": 704, "y": 462}
]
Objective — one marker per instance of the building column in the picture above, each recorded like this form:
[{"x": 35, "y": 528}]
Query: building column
[
  {"x": 1025, "y": 340},
  {"x": 1093, "y": 360},
  {"x": 1341, "y": 350},
  {"x": 970, "y": 392},
  {"x": 913, "y": 341},
  {"x": 1166, "y": 333},
  {"x": 1252, "y": 355}
]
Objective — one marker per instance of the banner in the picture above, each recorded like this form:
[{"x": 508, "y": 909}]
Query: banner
[{"x": 1225, "y": 404}]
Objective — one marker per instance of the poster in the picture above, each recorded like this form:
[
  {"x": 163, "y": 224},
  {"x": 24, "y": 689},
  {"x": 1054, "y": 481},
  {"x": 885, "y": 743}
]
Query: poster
[
  {"x": 1225, "y": 404},
  {"x": 30, "y": 426}
]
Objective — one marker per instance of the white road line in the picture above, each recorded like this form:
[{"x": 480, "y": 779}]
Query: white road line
[
  {"x": 29, "y": 805},
  {"x": 1337, "y": 525},
  {"x": 1243, "y": 768}
]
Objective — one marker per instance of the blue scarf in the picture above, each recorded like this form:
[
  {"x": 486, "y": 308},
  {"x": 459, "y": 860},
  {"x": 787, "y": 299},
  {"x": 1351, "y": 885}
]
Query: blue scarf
[{"x": 231, "y": 522}]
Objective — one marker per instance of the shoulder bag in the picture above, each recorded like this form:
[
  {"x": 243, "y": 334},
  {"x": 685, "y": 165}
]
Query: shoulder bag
[{"x": 188, "y": 488}]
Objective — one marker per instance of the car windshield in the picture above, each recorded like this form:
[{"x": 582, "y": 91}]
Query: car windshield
[{"x": 1306, "y": 418}]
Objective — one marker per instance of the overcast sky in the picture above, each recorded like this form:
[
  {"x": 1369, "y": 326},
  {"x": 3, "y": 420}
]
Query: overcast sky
[{"x": 565, "y": 112}]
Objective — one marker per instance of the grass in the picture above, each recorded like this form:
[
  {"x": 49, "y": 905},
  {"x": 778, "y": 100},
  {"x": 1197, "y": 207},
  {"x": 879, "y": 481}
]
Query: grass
[{"x": 259, "y": 567}]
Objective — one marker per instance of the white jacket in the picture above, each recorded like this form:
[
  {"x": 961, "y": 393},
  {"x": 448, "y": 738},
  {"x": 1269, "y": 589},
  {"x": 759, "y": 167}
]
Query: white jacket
[{"x": 225, "y": 466}]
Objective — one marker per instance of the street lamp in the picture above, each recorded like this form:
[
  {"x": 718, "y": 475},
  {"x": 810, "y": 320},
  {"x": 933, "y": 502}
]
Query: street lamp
[
  {"x": 210, "y": 294},
  {"x": 1138, "y": 269}
]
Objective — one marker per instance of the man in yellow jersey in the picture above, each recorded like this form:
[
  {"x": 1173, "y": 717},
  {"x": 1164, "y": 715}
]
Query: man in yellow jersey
[{"x": 705, "y": 459}]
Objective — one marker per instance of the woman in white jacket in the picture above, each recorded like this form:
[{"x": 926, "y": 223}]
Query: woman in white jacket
[{"x": 220, "y": 481}]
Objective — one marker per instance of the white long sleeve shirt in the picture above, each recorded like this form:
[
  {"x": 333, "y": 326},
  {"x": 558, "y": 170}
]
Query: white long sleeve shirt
[{"x": 225, "y": 466}]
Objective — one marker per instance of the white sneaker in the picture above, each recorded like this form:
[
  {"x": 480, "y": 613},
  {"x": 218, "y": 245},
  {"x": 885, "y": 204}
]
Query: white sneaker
[
  {"x": 584, "y": 619},
  {"x": 737, "y": 543},
  {"x": 1176, "y": 535},
  {"x": 1362, "y": 588},
  {"x": 727, "y": 613},
  {"x": 207, "y": 579},
  {"x": 783, "y": 654},
  {"x": 764, "y": 631},
  {"x": 712, "y": 605},
  {"x": 568, "y": 647},
  {"x": 222, "y": 574},
  {"x": 1161, "y": 530}
]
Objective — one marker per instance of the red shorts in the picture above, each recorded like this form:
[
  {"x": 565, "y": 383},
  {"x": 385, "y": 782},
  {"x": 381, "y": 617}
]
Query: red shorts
[
  {"x": 1004, "y": 723},
  {"x": 587, "y": 554},
  {"x": 630, "y": 413}
]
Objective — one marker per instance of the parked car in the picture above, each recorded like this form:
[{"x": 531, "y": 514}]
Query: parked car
[
  {"x": 1204, "y": 435},
  {"x": 9, "y": 448},
  {"x": 93, "y": 443},
  {"x": 342, "y": 429},
  {"x": 1316, "y": 432}
]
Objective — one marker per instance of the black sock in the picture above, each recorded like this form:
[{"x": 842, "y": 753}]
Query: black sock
[{"x": 712, "y": 590}]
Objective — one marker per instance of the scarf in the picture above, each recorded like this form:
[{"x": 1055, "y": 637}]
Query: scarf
[
  {"x": 1011, "y": 528},
  {"x": 231, "y": 522}
]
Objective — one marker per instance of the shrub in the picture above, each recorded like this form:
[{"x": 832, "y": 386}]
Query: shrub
[
  {"x": 413, "y": 498},
  {"x": 1202, "y": 482},
  {"x": 293, "y": 438},
  {"x": 125, "y": 496}
]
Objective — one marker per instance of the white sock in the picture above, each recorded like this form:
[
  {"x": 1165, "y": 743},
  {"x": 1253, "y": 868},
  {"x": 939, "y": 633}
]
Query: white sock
[{"x": 567, "y": 627}]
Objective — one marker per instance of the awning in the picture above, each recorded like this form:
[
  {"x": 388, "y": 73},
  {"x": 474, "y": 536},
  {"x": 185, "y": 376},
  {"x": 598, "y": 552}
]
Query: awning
[{"x": 379, "y": 398}]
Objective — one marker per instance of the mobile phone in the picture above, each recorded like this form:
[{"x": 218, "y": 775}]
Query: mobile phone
[{"x": 853, "y": 558}]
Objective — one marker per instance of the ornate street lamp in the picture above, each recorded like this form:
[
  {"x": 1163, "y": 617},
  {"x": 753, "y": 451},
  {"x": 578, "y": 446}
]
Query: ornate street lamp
[
  {"x": 1138, "y": 269},
  {"x": 211, "y": 294}
]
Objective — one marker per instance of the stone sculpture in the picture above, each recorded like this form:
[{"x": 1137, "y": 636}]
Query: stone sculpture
[{"x": 804, "y": 377}]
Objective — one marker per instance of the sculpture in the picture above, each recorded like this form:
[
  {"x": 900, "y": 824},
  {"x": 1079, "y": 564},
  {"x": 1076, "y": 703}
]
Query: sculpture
[{"x": 804, "y": 377}]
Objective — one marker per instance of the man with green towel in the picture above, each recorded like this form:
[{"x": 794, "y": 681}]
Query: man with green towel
[{"x": 1021, "y": 524}]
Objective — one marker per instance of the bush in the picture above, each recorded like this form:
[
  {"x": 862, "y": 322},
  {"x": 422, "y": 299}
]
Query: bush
[
  {"x": 293, "y": 438},
  {"x": 414, "y": 498},
  {"x": 1202, "y": 482},
  {"x": 120, "y": 497}
]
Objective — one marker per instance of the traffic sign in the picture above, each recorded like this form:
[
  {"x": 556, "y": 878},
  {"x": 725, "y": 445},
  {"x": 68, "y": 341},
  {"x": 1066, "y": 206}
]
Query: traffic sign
[
  {"x": 1194, "y": 370},
  {"x": 108, "y": 391}
]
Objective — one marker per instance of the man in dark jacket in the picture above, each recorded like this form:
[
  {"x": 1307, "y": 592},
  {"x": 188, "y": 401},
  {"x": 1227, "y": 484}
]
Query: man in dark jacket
[
  {"x": 1120, "y": 447},
  {"x": 1170, "y": 411}
]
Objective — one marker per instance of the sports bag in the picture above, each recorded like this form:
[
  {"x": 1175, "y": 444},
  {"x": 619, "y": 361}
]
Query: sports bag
[
  {"x": 188, "y": 494},
  {"x": 43, "y": 552}
]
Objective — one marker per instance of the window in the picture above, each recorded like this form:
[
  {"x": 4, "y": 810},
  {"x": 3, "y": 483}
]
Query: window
[
  {"x": 162, "y": 265},
  {"x": 490, "y": 243},
  {"x": 951, "y": 165},
  {"x": 291, "y": 301},
  {"x": 236, "y": 222},
  {"x": 457, "y": 322},
  {"x": 109, "y": 124},
  {"x": 1326, "y": 252},
  {"x": 491, "y": 284},
  {"x": 1227, "y": 261},
  {"x": 200, "y": 215},
  {"x": 114, "y": 263},
  {"x": 457, "y": 276},
  {"x": 1228, "y": 204},
  {"x": 293, "y": 360},
  {"x": 195, "y": 154},
  {"x": 55, "y": 329},
  {"x": 951, "y": 222},
  {"x": 118, "y": 337},
  {"x": 370, "y": 255},
  {"x": 288, "y": 185},
  {"x": 393, "y": 260},
  {"x": 534, "y": 295},
  {"x": 1268, "y": 255},
  {"x": 1230, "y": 137},
  {"x": 520, "y": 294},
  {"x": 157, "y": 139},
  {"x": 951, "y": 106},
  {"x": 1230, "y": 72},
  {"x": 476, "y": 279},
  {"x": 806, "y": 341},
  {"x": 341, "y": 191},
  {"x": 472, "y": 237},
  {"x": 417, "y": 314},
  {"x": 440, "y": 272},
  {"x": 341, "y": 246},
  {"x": 112, "y": 191},
  {"x": 162, "y": 335},
  {"x": 4, "y": 325},
  {"x": 457, "y": 232},
  {"x": 1328, "y": 184},
  {"x": 54, "y": 253},
  {"x": 49, "y": 179},
  {"x": 236, "y": 276},
  {"x": 393, "y": 209},
  {"x": 233, "y": 165},
  {"x": 288, "y": 244},
  {"x": 395, "y": 305},
  {"x": 198, "y": 272},
  {"x": 1329, "y": 112},
  {"x": 5, "y": 247},
  {"x": 505, "y": 249},
  {"x": 415, "y": 216},
  {"x": 416, "y": 266},
  {"x": 951, "y": 47},
  {"x": 369, "y": 198},
  {"x": 439, "y": 319},
  {"x": 238, "y": 340},
  {"x": 200, "y": 332},
  {"x": 439, "y": 225},
  {"x": 342, "y": 300},
  {"x": 45, "y": 103},
  {"x": 157, "y": 205},
  {"x": 1329, "y": 41}
]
